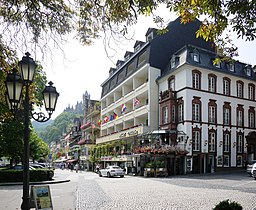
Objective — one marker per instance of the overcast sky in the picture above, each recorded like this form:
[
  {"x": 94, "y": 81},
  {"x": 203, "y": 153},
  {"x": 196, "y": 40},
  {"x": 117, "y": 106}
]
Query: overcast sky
[{"x": 85, "y": 68}]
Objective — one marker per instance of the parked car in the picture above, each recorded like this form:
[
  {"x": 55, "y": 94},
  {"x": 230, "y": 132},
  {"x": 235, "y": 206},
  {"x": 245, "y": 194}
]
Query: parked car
[
  {"x": 45, "y": 165},
  {"x": 254, "y": 171},
  {"x": 249, "y": 167},
  {"x": 35, "y": 165},
  {"x": 111, "y": 171},
  {"x": 20, "y": 167}
]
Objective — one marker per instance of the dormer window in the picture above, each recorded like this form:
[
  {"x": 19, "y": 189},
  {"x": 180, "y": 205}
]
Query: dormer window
[
  {"x": 150, "y": 37},
  {"x": 248, "y": 70},
  {"x": 137, "y": 48},
  {"x": 127, "y": 57},
  {"x": 173, "y": 62},
  {"x": 217, "y": 64},
  {"x": 195, "y": 55},
  {"x": 231, "y": 67},
  {"x": 118, "y": 65}
]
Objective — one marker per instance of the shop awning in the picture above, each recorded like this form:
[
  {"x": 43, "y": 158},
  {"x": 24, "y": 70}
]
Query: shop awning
[{"x": 85, "y": 125}]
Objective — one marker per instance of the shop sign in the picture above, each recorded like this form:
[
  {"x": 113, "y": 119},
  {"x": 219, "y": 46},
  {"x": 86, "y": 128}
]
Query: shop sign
[
  {"x": 129, "y": 133},
  {"x": 106, "y": 158}
]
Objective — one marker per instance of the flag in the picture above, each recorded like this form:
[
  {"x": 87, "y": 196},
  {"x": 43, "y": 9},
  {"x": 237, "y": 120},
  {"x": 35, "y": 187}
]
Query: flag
[
  {"x": 123, "y": 109},
  {"x": 106, "y": 119},
  {"x": 136, "y": 102},
  {"x": 99, "y": 122},
  {"x": 111, "y": 118},
  {"x": 115, "y": 116}
]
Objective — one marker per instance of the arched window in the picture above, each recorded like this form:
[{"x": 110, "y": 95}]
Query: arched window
[
  {"x": 196, "y": 79},
  {"x": 196, "y": 109},
  {"x": 212, "y": 83},
  {"x": 251, "y": 91},
  {"x": 240, "y": 116},
  {"x": 226, "y": 86},
  {"x": 240, "y": 89},
  {"x": 212, "y": 112},
  {"x": 226, "y": 114}
]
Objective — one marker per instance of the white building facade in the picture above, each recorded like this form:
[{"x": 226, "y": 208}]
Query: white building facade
[{"x": 214, "y": 105}]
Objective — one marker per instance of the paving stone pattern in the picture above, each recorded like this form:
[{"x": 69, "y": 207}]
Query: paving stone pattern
[{"x": 138, "y": 193}]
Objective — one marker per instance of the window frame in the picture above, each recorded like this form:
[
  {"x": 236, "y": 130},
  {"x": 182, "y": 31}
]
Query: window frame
[
  {"x": 180, "y": 111},
  {"x": 226, "y": 142},
  {"x": 171, "y": 83},
  {"x": 248, "y": 71},
  {"x": 165, "y": 115},
  {"x": 240, "y": 89},
  {"x": 231, "y": 67},
  {"x": 173, "y": 113},
  {"x": 196, "y": 139},
  {"x": 196, "y": 79},
  {"x": 196, "y": 109},
  {"x": 239, "y": 143},
  {"x": 240, "y": 116},
  {"x": 142, "y": 58},
  {"x": 226, "y": 160},
  {"x": 212, "y": 141},
  {"x": 226, "y": 86},
  {"x": 226, "y": 114},
  {"x": 251, "y": 117},
  {"x": 196, "y": 56},
  {"x": 212, "y": 116},
  {"x": 212, "y": 80},
  {"x": 251, "y": 91}
]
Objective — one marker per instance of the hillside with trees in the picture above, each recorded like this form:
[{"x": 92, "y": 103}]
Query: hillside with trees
[{"x": 54, "y": 129}]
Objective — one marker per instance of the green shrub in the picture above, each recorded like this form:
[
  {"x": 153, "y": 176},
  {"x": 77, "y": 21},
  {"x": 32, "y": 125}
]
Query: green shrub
[
  {"x": 17, "y": 175},
  {"x": 228, "y": 205}
]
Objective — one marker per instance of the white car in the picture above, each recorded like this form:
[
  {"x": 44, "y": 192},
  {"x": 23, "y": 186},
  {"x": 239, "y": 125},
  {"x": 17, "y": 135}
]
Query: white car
[
  {"x": 249, "y": 167},
  {"x": 253, "y": 172},
  {"x": 111, "y": 171}
]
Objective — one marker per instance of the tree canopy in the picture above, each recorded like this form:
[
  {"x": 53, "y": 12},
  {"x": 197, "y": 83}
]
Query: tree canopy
[{"x": 26, "y": 24}]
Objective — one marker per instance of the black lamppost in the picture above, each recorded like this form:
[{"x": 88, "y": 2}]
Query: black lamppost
[{"x": 14, "y": 85}]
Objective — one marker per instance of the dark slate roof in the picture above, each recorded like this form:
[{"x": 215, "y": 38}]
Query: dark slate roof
[
  {"x": 178, "y": 35},
  {"x": 161, "y": 47},
  {"x": 206, "y": 59}
]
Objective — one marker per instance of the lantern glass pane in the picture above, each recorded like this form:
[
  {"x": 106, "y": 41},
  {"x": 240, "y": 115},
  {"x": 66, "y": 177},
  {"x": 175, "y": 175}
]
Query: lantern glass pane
[
  {"x": 47, "y": 100},
  {"x": 14, "y": 90},
  {"x": 53, "y": 100},
  {"x": 27, "y": 71}
]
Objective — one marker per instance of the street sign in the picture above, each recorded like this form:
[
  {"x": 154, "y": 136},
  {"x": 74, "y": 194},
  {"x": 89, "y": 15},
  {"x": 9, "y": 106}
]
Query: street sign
[{"x": 50, "y": 156}]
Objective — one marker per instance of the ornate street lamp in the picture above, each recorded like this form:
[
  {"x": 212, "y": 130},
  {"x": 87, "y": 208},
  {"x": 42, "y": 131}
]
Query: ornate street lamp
[{"x": 14, "y": 85}]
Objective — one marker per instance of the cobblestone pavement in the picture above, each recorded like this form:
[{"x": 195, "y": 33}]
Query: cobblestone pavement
[
  {"x": 88, "y": 191},
  {"x": 176, "y": 193}
]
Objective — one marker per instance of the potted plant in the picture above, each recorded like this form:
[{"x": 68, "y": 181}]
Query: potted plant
[{"x": 228, "y": 205}]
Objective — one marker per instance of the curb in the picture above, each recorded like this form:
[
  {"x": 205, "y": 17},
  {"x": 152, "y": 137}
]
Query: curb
[{"x": 35, "y": 183}]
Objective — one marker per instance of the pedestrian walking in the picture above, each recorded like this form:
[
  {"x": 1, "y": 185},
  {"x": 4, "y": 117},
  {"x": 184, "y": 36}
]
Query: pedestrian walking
[{"x": 77, "y": 167}]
